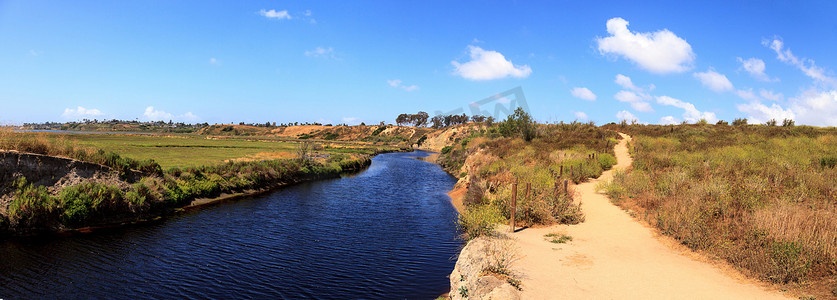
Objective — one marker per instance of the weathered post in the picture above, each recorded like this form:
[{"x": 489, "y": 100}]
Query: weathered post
[
  {"x": 566, "y": 182},
  {"x": 562, "y": 171},
  {"x": 528, "y": 199},
  {"x": 513, "y": 205}
]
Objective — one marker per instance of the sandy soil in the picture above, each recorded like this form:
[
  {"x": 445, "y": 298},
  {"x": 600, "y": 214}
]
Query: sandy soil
[{"x": 613, "y": 256}]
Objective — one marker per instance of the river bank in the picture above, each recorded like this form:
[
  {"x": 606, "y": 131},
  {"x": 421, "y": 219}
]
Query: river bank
[
  {"x": 39, "y": 191},
  {"x": 366, "y": 235}
]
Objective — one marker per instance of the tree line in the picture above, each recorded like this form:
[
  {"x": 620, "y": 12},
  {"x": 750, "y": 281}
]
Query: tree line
[{"x": 439, "y": 121}]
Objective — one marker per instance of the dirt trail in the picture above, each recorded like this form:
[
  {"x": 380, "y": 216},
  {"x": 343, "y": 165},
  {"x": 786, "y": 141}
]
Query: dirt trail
[{"x": 613, "y": 256}]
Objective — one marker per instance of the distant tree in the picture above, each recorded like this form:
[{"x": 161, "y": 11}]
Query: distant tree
[
  {"x": 702, "y": 122},
  {"x": 402, "y": 119},
  {"x": 420, "y": 119},
  {"x": 739, "y": 122},
  {"x": 362, "y": 124},
  {"x": 771, "y": 122},
  {"x": 722, "y": 122},
  {"x": 438, "y": 121},
  {"x": 788, "y": 123},
  {"x": 489, "y": 121},
  {"x": 519, "y": 124},
  {"x": 478, "y": 118}
]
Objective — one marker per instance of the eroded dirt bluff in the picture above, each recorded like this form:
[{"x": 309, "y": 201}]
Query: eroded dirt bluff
[
  {"x": 49, "y": 171},
  {"x": 52, "y": 172}
]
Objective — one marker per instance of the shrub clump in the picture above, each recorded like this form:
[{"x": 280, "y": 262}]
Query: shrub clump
[{"x": 479, "y": 220}]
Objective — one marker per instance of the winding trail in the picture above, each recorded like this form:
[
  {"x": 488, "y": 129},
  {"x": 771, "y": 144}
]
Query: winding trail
[{"x": 613, "y": 256}]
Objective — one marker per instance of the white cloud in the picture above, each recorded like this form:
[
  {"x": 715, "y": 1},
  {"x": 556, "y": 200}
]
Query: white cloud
[
  {"x": 811, "y": 107},
  {"x": 770, "y": 95},
  {"x": 488, "y": 65},
  {"x": 755, "y": 67},
  {"x": 214, "y": 61},
  {"x": 275, "y": 14},
  {"x": 580, "y": 115},
  {"x": 760, "y": 113},
  {"x": 669, "y": 120},
  {"x": 625, "y": 115},
  {"x": 80, "y": 113},
  {"x": 637, "y": 101},
  {"x": 714, "y": 81},
  {"x": 626, "y": 83},
  {"x": 321, "y": 52},
  {"x": 583, "y": 93},
  {"x": 156, "y": 115},
  {"x": 152, "y": 114},
  {"x": 816, "y": 107},
  {"x": 806, "y": 65},
  {"x": 658, "y": 52},
  {"x": 747, "y": 95},
  {"x": 690, "y": 113},
  {"x": 397, "y": 84}
]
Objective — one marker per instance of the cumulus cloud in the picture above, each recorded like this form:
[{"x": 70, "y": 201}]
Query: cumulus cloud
[
  {"x": 580, "y": 115},
  {"x": 626, "y": 83},
  {"x": 152, "y": 114},
  {"x": 488, "y": 65},
  {"x": 806, "y": 65},
  {"x": 275, "y": 14},
  {"x": 397, "y": 83},
  {"x": 816, "y": 107},
  {"x": 583, "y": 93},
  {"x": 625, "y": 115},
  {"x": 747, "y": 94},
  {"x": 760, "y": 113},
  {"x": 669, "y": 120},
  {"x": 690, "y": 113},
  {"x": 321, "y": 52},
  {"x": 714, "y": 81},
  {"x": 755, "y": 67},
  {"x": 770, "y": 95},
  {"x": 80, "y": 113},
  {"x": 214, "y": 61},
  {"x": 658, "y": 52},
  {"x": 637, "y": 101}
]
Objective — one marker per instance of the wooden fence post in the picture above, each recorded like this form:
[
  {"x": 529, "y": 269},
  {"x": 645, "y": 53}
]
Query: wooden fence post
[
  {"x": 562, "y": 171},
  {"x": 513, "y": 205},
  {"x": 528, "y": 198}
]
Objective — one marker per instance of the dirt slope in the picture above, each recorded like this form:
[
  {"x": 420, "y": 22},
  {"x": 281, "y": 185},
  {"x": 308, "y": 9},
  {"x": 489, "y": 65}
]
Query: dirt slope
[{"x": 613, "y": 256}]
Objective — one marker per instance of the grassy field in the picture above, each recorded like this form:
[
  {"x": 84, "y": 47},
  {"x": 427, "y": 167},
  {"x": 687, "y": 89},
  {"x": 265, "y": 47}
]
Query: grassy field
[
  {"x": 763, "y": 198},
  {"x": 190, "y": 167},
  {"x": 183, "y": 151}
]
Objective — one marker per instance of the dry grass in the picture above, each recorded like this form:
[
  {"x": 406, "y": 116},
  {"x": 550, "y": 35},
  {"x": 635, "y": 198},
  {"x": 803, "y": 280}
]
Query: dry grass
[{"x": 763, "y": 198}]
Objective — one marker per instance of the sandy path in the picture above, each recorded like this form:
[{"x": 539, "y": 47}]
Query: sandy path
[{"x": 613, "y": 256}]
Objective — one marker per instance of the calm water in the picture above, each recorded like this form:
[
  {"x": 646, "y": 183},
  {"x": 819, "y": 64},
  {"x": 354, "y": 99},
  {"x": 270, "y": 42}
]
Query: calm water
[{"x": 387, "y": 232}]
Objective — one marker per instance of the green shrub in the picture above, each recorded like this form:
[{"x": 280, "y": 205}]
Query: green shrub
[
  {"x": 479, "y": 220},
  {"x": 828, "y": 161},
  {"x": 80, "y": 202},
  {"x": 446, "y": 149},
  {"x": 787, "y": 262},
  {"x": 379, "y": 130},
  {"x": 606, "y": 161}
]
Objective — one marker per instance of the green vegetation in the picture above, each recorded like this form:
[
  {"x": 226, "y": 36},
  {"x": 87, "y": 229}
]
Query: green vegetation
[
  {"x": 479, "y": 221},
  {"x": 197, "y": 168},
  {"x": 558, "y": 238},
  {"x": 556, "y": 152},
  {"x": 761, "y": 197}
]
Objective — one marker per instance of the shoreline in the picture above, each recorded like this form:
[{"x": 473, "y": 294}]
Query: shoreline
[{"x": 194, "y": 204}]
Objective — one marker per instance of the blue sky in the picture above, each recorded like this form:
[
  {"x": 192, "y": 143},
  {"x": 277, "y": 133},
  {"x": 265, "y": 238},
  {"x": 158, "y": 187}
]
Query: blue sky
[{"x": 368, "y": 61}]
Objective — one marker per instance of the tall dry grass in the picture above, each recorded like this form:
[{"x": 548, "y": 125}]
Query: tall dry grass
[{"x": 763, "y": 198}]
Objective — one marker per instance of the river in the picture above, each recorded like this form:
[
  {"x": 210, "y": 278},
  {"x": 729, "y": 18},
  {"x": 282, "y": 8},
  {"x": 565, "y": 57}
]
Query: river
[{"x": 387, "y": 232}]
